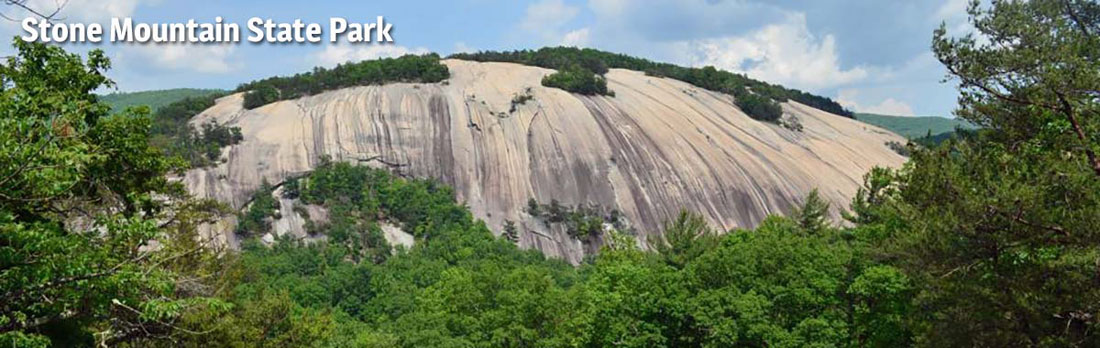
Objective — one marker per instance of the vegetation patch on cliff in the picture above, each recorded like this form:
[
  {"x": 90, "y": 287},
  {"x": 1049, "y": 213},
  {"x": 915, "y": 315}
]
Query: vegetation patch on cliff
[
  {"x": 582, "y": 222},
  {"x": 577, "y": 80},
  {"x": 174, "y": 134}
]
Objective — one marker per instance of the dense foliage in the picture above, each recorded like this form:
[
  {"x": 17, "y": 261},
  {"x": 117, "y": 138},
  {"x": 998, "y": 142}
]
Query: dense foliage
[
  {"x": 759, "y": 107},
  {"x": 999, "y": 228},
  {"x": 82, "y": 195},
  {"x": 763, "y": 95},
  {"x": 262, "y": 95},
  {"x": 174, "y": 134},
  {"x": 409, "y": 68},
  {"x": 577, "y": 80},
  {"x": 255, "y": 219},
  {"x": 788, "y": 283}
]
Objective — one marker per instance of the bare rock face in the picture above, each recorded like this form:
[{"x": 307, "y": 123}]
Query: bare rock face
[{"x": 656, "y": 147}]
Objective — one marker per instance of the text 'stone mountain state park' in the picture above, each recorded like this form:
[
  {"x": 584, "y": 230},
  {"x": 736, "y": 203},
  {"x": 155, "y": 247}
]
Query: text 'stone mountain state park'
[{"x": 550, "y": 173}]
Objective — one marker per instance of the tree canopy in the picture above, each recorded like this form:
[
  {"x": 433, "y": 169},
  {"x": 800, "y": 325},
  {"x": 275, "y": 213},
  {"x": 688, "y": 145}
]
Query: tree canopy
[
  {"x": 79, "y": 208},
  {"x": 999, "y": 228}
]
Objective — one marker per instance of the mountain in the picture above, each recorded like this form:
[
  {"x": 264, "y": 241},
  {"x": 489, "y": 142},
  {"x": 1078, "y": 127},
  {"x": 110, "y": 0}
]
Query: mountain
[
  {"x": 914, "y": 127},
  {"x": 657, "y": 146},
  {"x": 154, "y": 99}
]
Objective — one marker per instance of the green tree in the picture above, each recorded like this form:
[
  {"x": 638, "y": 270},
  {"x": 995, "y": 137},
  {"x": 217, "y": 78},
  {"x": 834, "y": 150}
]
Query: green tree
[
  {"x": 628, "y": 299},
  {"x": 78, "y": 211},
  {"x": 758, "y": 107},
  {"x": 262, "y": 95},
  {"x": 255, "y": 219},
  {"x": 685, "y": 238},
  {"x": 772, "y": 286},
  {"x": 577, "y": 79},
  {"x": 998, "y": 230},
  {"x": 1032, "y": 74},
  {"x": 510, "y": 231},
  {"x": 813, "y": 215},
  {"x": 880, "y": 299}
]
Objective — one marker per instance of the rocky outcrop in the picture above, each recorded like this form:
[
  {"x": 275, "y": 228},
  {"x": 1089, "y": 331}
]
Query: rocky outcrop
[{"x": 657, "y": 146}]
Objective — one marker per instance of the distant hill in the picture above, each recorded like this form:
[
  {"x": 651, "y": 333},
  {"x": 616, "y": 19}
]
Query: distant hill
[
  {"x": 914, "y": 127},
  {"x": 154, "y": 99}
]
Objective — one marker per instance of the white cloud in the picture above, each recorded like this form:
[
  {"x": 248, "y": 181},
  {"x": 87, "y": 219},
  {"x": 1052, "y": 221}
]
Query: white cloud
[
  {"x": 547, "y": 19},
  {"x": 343, "y": 53},
  {"x": 953, "y": 14},
  {"x": 547, "y": 15},
  {"x": 952, "y": 9},
  {"x": 187, "y": 57},
  {"x": 889, "y": 106},
  {"x": 202, "y": 58},
  {"x": 72, "y": 11},
  {"x": 816, "y": 46},
  {"x": 577, "y": 38},
  {"x": 786, "y": 53}
]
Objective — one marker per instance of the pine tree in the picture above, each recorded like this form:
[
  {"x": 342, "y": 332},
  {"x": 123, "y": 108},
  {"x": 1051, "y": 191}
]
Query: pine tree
[
  {"x": 510, "y": 231},
  {"x": 812, "y": 216},
  {"x": 999, "y": 228}
]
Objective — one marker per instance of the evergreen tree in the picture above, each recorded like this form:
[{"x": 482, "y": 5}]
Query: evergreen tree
[
  {"x": 510, "y": 231},
  {"x": 684, "y": 238},
  {"x": 999, "y": 229},
  {"x": 813, "y": 215}
]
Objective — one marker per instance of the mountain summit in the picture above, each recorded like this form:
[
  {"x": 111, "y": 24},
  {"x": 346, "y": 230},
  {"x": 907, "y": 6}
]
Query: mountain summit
[{"x": 509, "y": 145}]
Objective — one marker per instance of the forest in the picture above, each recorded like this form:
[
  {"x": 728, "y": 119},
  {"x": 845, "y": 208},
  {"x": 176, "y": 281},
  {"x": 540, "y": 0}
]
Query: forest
[{"x": 987, "y": 239}]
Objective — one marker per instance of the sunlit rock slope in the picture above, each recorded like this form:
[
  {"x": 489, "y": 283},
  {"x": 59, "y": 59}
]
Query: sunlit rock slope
[{"x": 657, "y": 146}]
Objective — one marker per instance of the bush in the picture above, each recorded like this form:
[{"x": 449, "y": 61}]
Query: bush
[
  {"x": 260, "y": 96},
  {"x": 510, "y": 231},
  {"x": 900, "y": 148},
  {"x": 758, "y": 107},
  {"x": 520, "y": 99},
  {"x": 202, "y": 148},
  {"x": 254, "y": 219},
  {"x": 576, "y": 79},
  {"x": 581, "y": 221},
  {"x": 220, "y": 134}
]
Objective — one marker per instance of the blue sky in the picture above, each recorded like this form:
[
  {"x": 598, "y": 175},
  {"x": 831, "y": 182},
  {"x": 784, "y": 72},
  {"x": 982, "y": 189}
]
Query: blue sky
[{"x": 871, "y": 55}]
